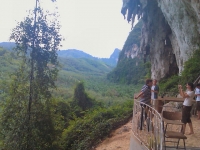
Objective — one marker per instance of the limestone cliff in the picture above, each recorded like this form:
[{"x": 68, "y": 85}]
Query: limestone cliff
[
  {"x": 170, "y": 33},
  {"x": 130, "y": 68}
]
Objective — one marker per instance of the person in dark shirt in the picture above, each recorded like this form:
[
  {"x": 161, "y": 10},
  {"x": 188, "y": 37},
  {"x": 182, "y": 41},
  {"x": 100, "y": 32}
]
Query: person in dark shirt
[
  {"x": 145, "y": 98},
  {"x": 145, "y": 93}
]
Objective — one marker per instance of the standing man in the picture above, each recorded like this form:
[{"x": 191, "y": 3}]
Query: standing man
[
  {"x": 145, "y": 97},
  {"x": 154, "y": 92},
  {"x": 145, "y": 93}
]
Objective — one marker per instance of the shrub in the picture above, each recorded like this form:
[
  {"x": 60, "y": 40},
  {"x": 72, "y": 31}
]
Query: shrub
[
  {"x": 191, "y": 68},
  {"x": 83, "y": 133},
  {"x": 190, "y": 73}
]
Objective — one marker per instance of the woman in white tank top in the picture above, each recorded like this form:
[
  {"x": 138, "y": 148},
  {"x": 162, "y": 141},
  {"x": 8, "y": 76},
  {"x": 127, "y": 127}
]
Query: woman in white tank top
[{"x": 187, "y": 106}]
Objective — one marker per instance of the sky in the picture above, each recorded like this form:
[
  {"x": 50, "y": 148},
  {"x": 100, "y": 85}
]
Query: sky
[{"x": 94, "y": 26}]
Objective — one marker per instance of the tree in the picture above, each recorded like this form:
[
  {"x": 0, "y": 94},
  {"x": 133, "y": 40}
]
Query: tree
[
  {"x": 37, "y": 39},
  {"x": 81, "y": 99}
]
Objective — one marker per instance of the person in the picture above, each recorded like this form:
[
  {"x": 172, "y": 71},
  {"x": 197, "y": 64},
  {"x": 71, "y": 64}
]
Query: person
[
  {"x": 197, "y": 93},
  {"x": 187, "y": 106},
  {"x": 145, "y": 93},
  {"x": 154, "y": 92},
  {"x": 145, "y": 99}
]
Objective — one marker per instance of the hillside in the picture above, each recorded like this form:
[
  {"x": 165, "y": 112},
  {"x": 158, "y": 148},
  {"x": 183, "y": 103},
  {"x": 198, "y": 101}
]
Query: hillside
[
  {"x": 93, "y": 73},
  {"x": 74, "y": 53},
  {"x": 84, "y": 65},
  {"x": 73, "y": 70},
  {"x": 72, "y": 61}
]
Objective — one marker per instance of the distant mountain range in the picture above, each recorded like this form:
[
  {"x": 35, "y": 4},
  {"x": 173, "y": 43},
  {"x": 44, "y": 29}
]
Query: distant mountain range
[
  {"x": 73, "y": 53},
  {"x": 7, "y": 45}
]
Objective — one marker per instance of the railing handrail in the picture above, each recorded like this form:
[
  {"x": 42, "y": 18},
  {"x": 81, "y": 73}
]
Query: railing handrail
[
  {"x": 152, "y": 140},
  {"x": 151, "y": 108}
]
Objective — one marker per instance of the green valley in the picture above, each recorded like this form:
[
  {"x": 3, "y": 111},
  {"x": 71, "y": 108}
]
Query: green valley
[{"x": 111, "y": 102}]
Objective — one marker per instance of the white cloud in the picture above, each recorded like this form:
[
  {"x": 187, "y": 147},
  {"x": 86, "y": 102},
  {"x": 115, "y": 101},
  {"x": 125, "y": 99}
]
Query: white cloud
[{"x": 93, "y": 26}]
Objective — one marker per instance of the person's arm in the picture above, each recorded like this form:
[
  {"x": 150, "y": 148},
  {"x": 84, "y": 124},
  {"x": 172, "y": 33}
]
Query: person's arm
[
  {"x": 156, "y": 89},
  {"x": 140, "y": 94},
  {"x": 183, "y": 94}
]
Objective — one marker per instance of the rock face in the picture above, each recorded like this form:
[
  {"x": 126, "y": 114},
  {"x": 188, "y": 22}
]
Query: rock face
[
  {"x": 133, "y": 52},
  {"x": 114, "y": 56},
  {"x": 183, "y": 17},
  {"x": 170, "y": 33}
]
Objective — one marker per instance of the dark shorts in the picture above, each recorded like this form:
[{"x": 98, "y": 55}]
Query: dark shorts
[
  {"x": 198, "y": 106},
  {"x": 186, "y": 114}
]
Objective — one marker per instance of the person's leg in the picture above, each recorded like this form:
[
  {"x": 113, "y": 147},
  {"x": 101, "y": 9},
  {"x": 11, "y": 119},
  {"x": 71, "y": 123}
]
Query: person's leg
[
  {"x": 141, "y": 117},
  {"x": 198, "y": 115},
  {"x": 184, "y": 120},
  {"x": 184, "y": 127},
  {"x": 191, "y": 128},
  {"x": 146, "y": 112},
  {"x": 185, "y": 117},
  {"x": 189, "y": 121}
]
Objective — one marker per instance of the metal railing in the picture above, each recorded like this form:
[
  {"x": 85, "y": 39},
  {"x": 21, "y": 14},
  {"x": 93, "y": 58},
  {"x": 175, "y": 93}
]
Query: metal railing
[{"x": 147, "y": 126}]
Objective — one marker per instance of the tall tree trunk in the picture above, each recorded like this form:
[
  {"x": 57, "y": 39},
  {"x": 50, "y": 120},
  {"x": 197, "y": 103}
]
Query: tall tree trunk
[{"x": 31, "y": 78}]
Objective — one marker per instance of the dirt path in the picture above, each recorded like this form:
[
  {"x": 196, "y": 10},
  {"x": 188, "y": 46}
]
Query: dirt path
[{"x": 120, "y": 138}]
